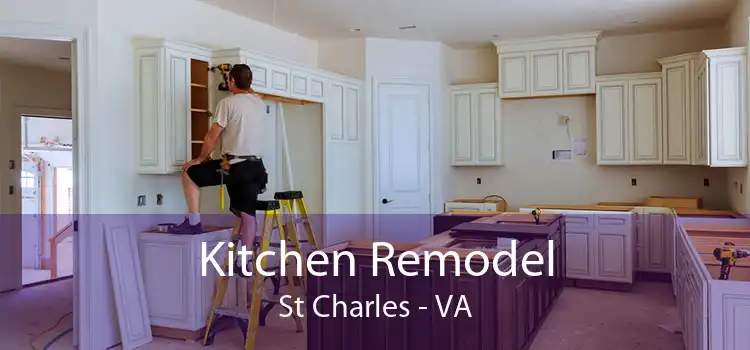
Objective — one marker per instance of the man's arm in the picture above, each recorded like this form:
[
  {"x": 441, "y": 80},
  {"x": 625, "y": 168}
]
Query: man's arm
[{"x": 210, "y": 140}]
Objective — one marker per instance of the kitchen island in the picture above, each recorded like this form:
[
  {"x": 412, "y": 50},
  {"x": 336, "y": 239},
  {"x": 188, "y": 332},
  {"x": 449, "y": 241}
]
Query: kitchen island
[{"x": 506, "y": 310}]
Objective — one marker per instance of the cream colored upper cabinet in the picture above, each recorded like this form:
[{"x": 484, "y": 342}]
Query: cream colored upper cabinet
[
  {"x": 645, "y": 119},
  {"x": 547, "y": 66},
  {"x": 677, "y": 75},
  {"x": 165, "y": 92},
  {"x": 628, "y": 118},
  {"x": 727, "y": 108},
  {"x": 705, "y": 108},
  {"x": 476, "y": 131},
  {"x": 612, "y": 122}
]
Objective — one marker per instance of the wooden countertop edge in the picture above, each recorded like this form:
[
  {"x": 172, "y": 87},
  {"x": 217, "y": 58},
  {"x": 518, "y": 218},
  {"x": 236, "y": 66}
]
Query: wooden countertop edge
[
  {"x": 580, "y": 207},
  {"x": 716, "y": 229},
  {"x": 600, "y": 207}
]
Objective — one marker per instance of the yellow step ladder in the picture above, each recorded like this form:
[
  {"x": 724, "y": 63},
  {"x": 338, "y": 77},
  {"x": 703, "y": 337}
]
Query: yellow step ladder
[{"x": 249, "y": 320}]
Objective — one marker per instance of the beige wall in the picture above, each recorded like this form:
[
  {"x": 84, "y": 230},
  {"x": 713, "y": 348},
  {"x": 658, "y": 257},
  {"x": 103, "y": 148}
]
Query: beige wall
[
  {"x": 737, "y": 32},
  {"x": 531, "y": 133},
  {"x": 27, "y": 87},
  {"x": 304, "y": 129}
]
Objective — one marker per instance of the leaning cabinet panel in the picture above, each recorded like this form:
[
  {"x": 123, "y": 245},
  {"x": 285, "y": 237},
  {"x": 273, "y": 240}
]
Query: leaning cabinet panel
[
  {"x": 476, "y": 131},
  {"x": 628, "y": 119},
  {"x": 547, "y": 66},
  {"x": 171, "y": 97}
]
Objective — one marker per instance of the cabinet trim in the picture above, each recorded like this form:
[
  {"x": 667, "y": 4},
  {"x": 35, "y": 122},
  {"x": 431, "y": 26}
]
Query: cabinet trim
[{"x": 561, "y": 41}]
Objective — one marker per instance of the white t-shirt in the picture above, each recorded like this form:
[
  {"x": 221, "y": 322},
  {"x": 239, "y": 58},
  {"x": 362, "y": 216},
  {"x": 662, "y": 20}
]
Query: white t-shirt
[{"x": 241, "y": 117}]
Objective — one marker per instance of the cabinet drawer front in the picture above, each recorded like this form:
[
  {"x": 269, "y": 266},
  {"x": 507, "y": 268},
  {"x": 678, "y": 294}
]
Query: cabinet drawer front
[
  {"x": 579, "y": 220},
  {"x": 612, "y": 220}
]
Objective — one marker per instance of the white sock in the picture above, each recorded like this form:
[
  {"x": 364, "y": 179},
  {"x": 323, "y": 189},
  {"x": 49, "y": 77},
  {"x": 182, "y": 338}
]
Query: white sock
[{"x": 194, "y": 219}]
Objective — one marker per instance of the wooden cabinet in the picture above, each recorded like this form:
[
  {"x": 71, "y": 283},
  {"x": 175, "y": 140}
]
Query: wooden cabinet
[
  {"x": 177, "y": 293},
  {"x": 476, "y": 125},
  {"x": 506, "y": 311},
  {"x": 705, "y": 108},
  {"x": 547, "y": 66},
  {"x": 629, "y": 119},
  {"x": 170, "y": 102}
]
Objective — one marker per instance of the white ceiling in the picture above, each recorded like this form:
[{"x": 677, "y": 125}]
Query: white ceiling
[
  {"x": 36, "y": 53},
  {"x": 467, "y": 23}
]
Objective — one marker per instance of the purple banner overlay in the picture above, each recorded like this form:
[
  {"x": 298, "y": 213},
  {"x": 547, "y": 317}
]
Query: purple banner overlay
[{"x": 482, "y": 280}]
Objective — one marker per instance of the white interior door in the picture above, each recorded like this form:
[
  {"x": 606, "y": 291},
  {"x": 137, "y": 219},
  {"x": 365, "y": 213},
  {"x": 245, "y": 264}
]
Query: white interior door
[
  {"x": 402, "y": 120},
  {"x": 31, "y": 209}
]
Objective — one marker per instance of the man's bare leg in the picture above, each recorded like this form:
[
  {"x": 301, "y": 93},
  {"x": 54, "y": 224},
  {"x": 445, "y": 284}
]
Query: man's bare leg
[
  {"x": 192, "y": 197},
  {"x": 192, "y": 224}
]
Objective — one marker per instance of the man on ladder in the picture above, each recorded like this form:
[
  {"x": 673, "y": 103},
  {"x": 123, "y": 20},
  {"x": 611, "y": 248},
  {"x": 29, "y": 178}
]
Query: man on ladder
[{"x": 239, "y": 126}]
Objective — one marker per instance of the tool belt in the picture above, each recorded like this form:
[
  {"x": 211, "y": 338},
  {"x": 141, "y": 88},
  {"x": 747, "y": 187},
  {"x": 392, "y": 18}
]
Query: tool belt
[{"x": 230, "y": 157}]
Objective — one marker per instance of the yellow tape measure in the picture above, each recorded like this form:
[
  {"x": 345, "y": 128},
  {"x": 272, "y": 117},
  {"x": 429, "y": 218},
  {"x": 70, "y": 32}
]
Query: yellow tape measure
[{"x": 221, "y": 197}]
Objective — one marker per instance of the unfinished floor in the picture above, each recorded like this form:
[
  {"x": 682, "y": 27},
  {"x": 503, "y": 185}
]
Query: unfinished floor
[{"x": 581, "y": 320}]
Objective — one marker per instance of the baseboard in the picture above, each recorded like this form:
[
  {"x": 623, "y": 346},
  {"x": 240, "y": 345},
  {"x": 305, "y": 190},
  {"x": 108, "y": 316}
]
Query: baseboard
[
  {"x": 603, "y": 285},
  {"x": 648, "y": 276},
  {"x": 51, "y": 280}
]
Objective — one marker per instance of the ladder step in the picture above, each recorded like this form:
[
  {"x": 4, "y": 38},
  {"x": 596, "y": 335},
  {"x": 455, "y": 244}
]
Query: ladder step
[{"x": 239, "y": 313}]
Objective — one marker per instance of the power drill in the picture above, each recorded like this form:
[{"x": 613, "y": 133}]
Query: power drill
[
  {"x": 536, "y": 213},
  {"x": 224, "y": 68},
  {"x": 728, "y": 256}
]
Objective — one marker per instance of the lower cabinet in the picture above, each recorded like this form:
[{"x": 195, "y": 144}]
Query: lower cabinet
[
  {"x": 599, "y": 245},
  {"x": 178, "y": 293},
  {"x": 654, "y": 242}
]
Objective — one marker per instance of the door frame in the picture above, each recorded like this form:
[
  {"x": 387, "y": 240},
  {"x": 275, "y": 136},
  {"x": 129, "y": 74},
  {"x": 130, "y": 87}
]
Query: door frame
[
  {"x": 82, "y": 76},
  {"x": 374, "y": 179}
]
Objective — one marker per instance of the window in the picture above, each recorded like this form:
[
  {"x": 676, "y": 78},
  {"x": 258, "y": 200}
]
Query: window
[{"x": 28, "y": 180}]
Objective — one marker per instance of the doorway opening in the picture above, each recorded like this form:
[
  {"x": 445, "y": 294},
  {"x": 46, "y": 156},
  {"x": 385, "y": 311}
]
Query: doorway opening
[{"x": 46, "y": 198}]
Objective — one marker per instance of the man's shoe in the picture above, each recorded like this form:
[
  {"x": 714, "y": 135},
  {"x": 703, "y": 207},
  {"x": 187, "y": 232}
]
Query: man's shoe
[{"x": 186, "y": 229}]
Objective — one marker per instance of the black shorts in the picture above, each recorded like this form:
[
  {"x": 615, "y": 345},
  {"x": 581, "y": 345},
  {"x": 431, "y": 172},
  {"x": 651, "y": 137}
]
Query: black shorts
[{"x": 246, "y": 180}]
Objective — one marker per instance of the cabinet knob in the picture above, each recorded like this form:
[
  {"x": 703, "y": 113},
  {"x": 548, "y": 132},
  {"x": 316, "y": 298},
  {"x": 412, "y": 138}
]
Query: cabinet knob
[{"x": 386, "y": 201}]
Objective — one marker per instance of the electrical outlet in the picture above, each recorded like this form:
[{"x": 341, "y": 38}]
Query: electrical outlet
[
  {"x": 159, "y": 198},
  {"x": 706, "y": 183},
  {"x": 142, "y": 200},
  {"x": 633, "y": 182},
  {"x": 479, "y": 181}
]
